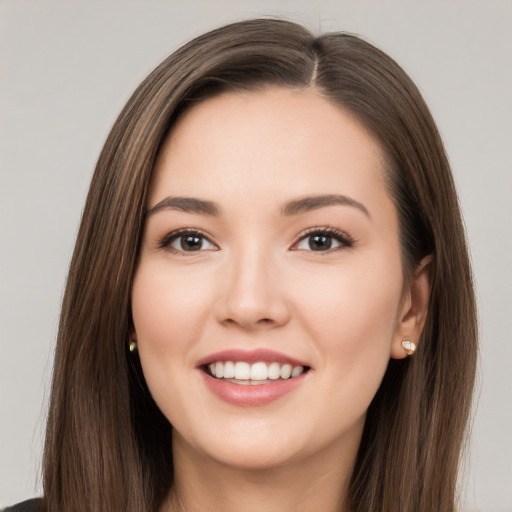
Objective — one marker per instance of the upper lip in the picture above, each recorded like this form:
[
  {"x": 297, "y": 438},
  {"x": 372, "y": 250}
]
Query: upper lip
[{"x": 250, "y": 356}]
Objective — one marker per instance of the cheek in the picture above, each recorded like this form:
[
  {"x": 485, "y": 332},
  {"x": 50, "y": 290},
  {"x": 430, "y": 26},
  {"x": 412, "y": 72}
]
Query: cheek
[
  {"x": 351, "y": 313},
  {"x": 169, "y": 313},
  {"x": 167, "y": 309},
  {"x": 347, "y": 301}
]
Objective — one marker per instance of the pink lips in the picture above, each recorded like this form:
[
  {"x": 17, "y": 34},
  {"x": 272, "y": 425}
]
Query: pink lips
[{"x": 250, "y": 395}]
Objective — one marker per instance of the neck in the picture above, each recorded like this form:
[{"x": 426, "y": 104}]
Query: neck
[{"x": 319, "y": 482}]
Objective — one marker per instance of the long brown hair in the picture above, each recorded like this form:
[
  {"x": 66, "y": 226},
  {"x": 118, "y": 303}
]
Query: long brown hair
[{"x": 108, "y": 447}]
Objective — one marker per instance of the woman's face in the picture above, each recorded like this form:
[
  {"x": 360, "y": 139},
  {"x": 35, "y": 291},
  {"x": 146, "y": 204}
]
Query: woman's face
[{"x": 271, "y": 245}]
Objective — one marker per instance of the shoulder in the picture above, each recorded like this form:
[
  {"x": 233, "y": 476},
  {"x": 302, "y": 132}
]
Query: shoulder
[{"x": 33, "y": 505}]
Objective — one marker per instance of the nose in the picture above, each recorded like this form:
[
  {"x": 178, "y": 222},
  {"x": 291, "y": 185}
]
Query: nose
[{"x": 252, "y": 297}]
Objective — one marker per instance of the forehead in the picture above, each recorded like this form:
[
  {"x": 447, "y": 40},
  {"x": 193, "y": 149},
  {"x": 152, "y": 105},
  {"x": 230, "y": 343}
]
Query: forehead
[{"x": 275, "y": 142}]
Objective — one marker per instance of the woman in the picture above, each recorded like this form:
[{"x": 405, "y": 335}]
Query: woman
[{"x": 270, "y": 301}]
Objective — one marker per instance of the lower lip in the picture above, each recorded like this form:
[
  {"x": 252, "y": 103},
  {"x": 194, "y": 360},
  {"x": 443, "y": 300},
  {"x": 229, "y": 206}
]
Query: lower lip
[{"x": 251, "y": 395}]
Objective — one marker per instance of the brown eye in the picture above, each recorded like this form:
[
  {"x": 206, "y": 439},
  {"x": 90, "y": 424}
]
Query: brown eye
[
  {"x": 322, "y": 240},
  {"x": 319, "y": 242},
  {"x": 186, "y": 241},
  {"x": 190, "y": 242}
]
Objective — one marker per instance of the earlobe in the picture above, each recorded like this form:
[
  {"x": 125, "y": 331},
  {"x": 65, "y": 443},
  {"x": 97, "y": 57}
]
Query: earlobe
[{"x": 413, "y": 314}]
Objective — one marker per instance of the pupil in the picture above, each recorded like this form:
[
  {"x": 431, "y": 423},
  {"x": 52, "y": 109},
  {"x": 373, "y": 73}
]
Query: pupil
[
  {"x": 319, "y": 242},
  {"x": 191, "y": 243}
]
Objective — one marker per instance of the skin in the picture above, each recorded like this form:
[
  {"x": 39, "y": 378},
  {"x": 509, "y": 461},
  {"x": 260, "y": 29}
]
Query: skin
[{"x": 257, "y": 283}]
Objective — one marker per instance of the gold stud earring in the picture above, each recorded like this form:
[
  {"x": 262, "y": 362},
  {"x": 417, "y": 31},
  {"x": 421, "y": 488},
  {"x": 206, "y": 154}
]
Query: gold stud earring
[
  {"x": 409, "y": 347},
  {"x": 133, "y": 346}
]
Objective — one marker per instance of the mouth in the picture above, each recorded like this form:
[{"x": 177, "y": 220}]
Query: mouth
[
  {"x": 258, "y": 373},
  {"x": 250, "y": 378}
]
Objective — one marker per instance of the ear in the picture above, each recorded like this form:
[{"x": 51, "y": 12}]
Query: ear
[{"x": 414, "y": 308}]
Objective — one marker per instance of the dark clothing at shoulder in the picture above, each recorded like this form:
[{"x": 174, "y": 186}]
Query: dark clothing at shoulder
[{"x": 34, "y": 505}]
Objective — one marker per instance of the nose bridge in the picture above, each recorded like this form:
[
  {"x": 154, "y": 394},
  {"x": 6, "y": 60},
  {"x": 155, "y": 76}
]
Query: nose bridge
[{"x": 253, "y": 295}]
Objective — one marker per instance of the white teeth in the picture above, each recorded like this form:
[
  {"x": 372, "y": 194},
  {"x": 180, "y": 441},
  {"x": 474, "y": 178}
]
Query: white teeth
[
  {"x": 259, "y": 371},
  {"x": 286, "y": 371},
  {"x": 274, "y": 371},
  {"x": 219, "y": 370},
  {"x": 229, "y": 370},
  {"x": 242, "y": 371},
  {"x": 297, "y": 370}
]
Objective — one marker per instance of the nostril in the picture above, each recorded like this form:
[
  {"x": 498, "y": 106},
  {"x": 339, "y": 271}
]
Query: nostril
[{"x": 262, "y": 322}]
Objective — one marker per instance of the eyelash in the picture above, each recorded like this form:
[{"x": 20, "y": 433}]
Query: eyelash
[
  {"x": 166, "y": 242},
  {"x": 343, "y": 238}
]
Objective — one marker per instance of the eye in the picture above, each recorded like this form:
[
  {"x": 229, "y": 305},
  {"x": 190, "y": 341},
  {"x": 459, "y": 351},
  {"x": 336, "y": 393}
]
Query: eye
[
  {"x": 187, "y": 240},
  {"x": 322, "y": 240}
]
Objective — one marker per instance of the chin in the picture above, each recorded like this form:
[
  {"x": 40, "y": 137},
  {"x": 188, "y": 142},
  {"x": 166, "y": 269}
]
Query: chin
[
  {"x": 252, "y": 446},
  {"x": 254, "y": 457}
]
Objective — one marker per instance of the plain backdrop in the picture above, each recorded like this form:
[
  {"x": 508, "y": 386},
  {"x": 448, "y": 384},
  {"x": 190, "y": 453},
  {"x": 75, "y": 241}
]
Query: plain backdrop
[{"x": 67, "y": 68}]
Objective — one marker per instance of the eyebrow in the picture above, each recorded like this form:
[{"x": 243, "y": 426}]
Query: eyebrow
[
  {"x": 204, "y": 207},
  {"x": 314, "y": 202},
  {"x": 187, "y": 204}
]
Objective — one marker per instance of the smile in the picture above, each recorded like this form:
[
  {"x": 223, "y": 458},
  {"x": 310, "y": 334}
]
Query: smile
[
  {"x": 258, "y": 373},
  {"x": 252, "y": 378}
]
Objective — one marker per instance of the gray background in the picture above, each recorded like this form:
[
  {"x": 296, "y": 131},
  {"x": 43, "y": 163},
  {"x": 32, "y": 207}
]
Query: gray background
[{"x": 67, "y": 68}]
